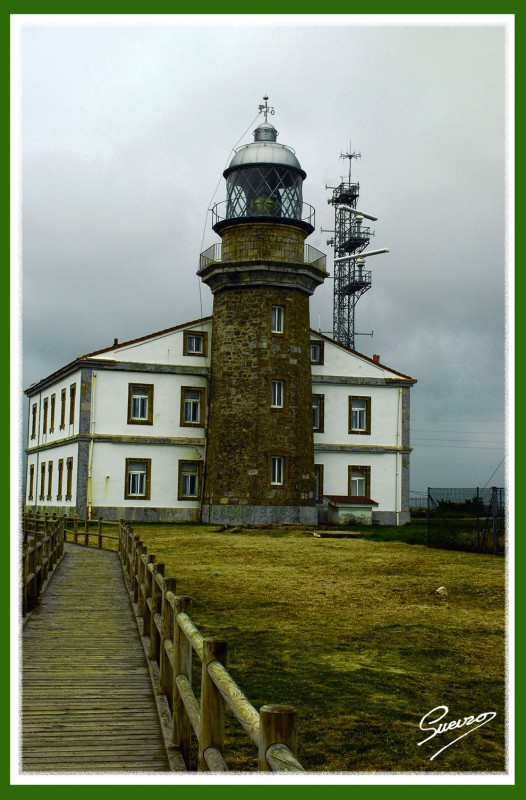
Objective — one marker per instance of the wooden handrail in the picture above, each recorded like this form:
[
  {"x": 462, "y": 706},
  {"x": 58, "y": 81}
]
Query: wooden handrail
[
  {"x": 173, "y": 636},
  {"x": 42, "y": 550}
]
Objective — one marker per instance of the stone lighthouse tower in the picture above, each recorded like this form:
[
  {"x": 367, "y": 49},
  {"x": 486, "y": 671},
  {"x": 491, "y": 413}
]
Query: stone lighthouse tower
[{"x": 259, "y": 459}]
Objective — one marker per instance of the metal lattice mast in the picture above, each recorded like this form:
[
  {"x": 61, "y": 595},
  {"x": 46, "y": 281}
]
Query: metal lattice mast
[{"x": 351, "y": 280}]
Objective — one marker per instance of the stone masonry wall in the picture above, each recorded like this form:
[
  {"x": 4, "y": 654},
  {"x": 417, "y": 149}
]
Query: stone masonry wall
[{"x": 243, "y": 430}]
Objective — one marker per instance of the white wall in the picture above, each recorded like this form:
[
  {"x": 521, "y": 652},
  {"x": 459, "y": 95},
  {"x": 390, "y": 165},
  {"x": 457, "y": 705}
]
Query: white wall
[
  {"x": 45, "y": 437},
  {"x": 110, "y": 403},
  {"x": 162, "y": 349},
  {"x": 64, "y": 451},
  {"x": 385, "y": 415},
  {"x": 383, "y": 475},
  {"x": 109, "y": 474}
]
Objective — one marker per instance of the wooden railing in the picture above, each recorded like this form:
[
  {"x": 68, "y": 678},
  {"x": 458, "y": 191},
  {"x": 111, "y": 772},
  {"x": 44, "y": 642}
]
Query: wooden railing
[
  {"x": 77, "y": 530},
  {"x": 42, "y": 549},
  {"x": 172, "y": 639}
]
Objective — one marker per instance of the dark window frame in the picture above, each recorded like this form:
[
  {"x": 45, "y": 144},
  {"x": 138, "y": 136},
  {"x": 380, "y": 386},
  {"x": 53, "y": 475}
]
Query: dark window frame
[
  {"x": 321, "y": 425},
  {"x": 181, "y": 472},
  {"x": 321, "y": 345},
  {"x": 60, "y": 472},
  {"x": 318, "y": 495},
  {"x": 148, "y": 479},
  {"x": 201, "y": 334},
  {"x": 140, "y": 389},
  {"x": 366, "y": 469},
  {"x": 367, "y": 430},
  {"x": 184, "y": 423},
  {"x": 69, "y": 478}
]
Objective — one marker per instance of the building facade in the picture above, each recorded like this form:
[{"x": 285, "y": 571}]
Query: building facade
[
  {"x": 247, "y": 416},
  {"x": 122, "y": 432}
]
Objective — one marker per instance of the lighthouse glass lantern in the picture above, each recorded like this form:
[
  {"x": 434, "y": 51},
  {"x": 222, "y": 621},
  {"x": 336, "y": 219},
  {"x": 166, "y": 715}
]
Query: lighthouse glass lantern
[{"x": 264, "y": 180}]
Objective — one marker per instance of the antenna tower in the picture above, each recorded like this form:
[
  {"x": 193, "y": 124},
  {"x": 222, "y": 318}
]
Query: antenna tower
[{"x": 351, "y": 280}]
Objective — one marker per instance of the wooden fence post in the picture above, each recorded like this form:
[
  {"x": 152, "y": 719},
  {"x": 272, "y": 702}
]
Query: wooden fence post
[
  {"x": 277, "y": 726},
  {"x": 145, "y": 593},
  {"x": 212, "y": 728},
  {"x": 169, "y": 585},
  {"x": 75, "y": 527},
  {"x": 156, "y": 595},
  {"x": 86, "y": 534},
  {"x": 182, "y": 730},
  {"x": 100, "y": 532}
]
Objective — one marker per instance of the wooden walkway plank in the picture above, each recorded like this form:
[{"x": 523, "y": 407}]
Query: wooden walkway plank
[{"x": 87, "y": 698}]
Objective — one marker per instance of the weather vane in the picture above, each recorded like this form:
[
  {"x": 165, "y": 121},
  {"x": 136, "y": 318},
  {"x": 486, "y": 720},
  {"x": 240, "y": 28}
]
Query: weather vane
[{"x": 266, "y": 109}]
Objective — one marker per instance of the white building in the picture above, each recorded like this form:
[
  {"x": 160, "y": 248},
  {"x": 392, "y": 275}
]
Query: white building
[{"x": 121, "y": 433}]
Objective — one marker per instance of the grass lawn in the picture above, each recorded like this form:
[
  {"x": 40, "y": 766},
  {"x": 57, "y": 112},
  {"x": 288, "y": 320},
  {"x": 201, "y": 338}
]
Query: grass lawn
[{"x": 353, "y": 634}]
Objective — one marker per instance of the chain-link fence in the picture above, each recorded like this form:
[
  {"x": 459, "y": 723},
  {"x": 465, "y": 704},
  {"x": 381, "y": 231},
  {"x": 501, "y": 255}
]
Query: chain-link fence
[{"x": 467, "y": 519}]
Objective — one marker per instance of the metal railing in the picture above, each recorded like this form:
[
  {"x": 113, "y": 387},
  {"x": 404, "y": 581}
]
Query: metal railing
[
  {"x": 311, "y": 256},
  {"x": 306, "y": 215}
]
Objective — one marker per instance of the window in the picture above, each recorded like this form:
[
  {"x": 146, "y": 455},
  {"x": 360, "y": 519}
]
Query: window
[
  {"x": 359, "y": 415},
  {"x": 318, "y": 486},
  {"x": 44, "y": 417},
  {"x": 359, "y": 481},
  {"x": 277, "y": 393},
  {"x": 138, "y": 474},
  {"x": 60, "y": 476},
  {"x": 42, "y": 481},
  {"x": 316, "y": 352},
  {"x": 195, "y": 343},
  {"x": 192, "y": 406},
  {"x": 34, "y": 421},
  {"x": 69, "y": 478},
  {"x": 277, "y": 470},
  {"x": 72, "y": 396},
  {"x": 52, "y": 413},
  {"x": 140, "y": 404},
  {"x": 277, "y": 323},
  {"x": 190, "y": 479},
  {"x": 62, "y": 409},
  {"x": 31, "y": 481},
  {"x": 318, "y": 402},
  {"x": 49, "y": 480}
]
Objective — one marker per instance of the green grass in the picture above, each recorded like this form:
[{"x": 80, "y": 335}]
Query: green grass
[{"x": 353, "y": 634}]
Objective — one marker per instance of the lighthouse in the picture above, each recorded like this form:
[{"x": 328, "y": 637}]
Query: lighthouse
[{"x": 259, "y": 449}]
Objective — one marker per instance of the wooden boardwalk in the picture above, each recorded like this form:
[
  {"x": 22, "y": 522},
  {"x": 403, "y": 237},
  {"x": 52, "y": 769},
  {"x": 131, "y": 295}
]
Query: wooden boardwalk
[{"x": 87, "y": 697}]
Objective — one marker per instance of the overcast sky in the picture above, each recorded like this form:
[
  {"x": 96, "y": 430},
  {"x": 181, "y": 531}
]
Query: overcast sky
[{"x": 126, "y": 130}]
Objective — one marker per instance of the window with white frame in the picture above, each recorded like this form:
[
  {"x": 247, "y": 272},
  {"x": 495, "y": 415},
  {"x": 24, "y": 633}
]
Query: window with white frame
[
  {"x": 277, "y": 393},
  {"x": 317, "y": 412},
  {"x": 195, "y": 343},
  {"x": 316, "y": 352},
  {"x": 190, "y": 480},
  {"x": 359, "y": 415},
  {"x": 192, "y": 405},
  {"x": 277, "y": 470},
  {"x": 140, "y": 404},
  {"x": 138, "y": 478},
  {"x": 359, "y": 481},
  {"x": 277, "y": 323}
]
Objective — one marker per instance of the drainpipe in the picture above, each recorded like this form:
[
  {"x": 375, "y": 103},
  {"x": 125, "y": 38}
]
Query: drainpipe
[
  {"x": 89, "y": 498},
  {"x": 398, "y": 442}
]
